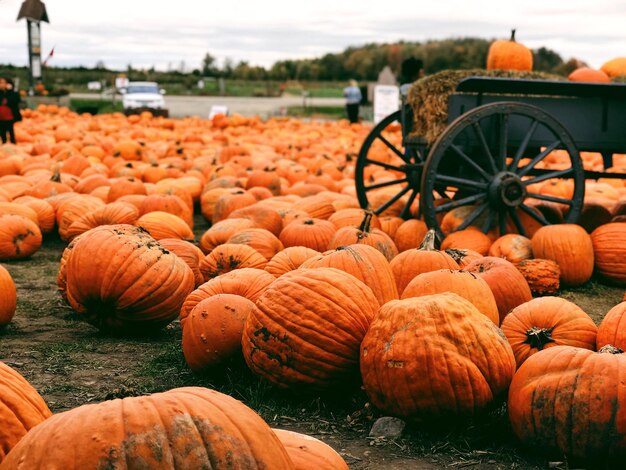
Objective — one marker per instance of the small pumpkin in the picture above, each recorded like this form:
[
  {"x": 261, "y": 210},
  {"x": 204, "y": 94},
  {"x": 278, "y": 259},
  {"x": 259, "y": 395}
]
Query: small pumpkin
[
  {"x": 228, "y": 257},
  {"x": 587, "y": 74},
  {"x": 315, "y": 234},
  {"x": 542, "y": 275},
  {"x": 611, "y": 330},
  {"x": 289, "y": 259},
  {"x": 512, "y": 247},
  {"x": 308, "y": 453},
  {"x": 366, "y": 235},
  {"x": 19, "y": 237},
  {"x": 470, "y": 238},
  {"x": 8, "y": 297}
]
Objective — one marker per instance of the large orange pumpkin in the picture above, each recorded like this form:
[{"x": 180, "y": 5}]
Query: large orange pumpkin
[
  {"x": 307, "y": 327},
  {"x": 121, "y": 280},
  {"x": 610, "y": 251},
  {"x": 8, "y": 296},
  {"x": 289, "y": 259},
  {"x": 180, "y": 429},
  {"x": 612, "y": 330},
  {"x": 509, "y": 55},
  {"x": 308, "y": 453},
  {"x": 434, "y": 357},
  {"x": 21, "y": 408}
]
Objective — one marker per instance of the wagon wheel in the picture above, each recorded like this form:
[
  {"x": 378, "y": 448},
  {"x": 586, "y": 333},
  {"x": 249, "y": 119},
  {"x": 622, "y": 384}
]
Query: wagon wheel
[
  {"x": 490, "y": 160},
  {"x": 405, "y": 160}
]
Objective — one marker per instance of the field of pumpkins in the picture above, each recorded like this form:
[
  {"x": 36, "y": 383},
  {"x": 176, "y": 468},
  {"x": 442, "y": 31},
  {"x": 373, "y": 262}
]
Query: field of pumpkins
[{"x": 208, "y": 294}]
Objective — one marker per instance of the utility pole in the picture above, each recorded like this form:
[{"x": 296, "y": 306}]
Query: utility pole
[{"x": 34, "y": 11}]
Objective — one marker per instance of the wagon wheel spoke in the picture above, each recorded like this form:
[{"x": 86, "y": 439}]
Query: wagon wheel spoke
[
  {"x": 460, "y": 202},
  {"x": 486, "y": 151},
  {"x": 386, "y": 166},
  {"x": 489, "y": 221},
  {"x": 503, "y": 140},
  {"x": 460, "y": 182},
  {"x": 385, "y": 184},
  {"x": 523, "y": 145},
  {"x": 516, "y": 220},
  {"x": 476, "y": 213},
  {"x": 548, "y": 176},
  {"x": 502, "y": 221},
  {"x": 545, "y": 197},
  {"x": 523, "y": 171},
  {"x": 391, "y": 201},
  {"x": 538, "y": 217},
  {"x": 406, "y": 211},
  {"x": 486, "y": 176},
  {"x": 393, "y": 148}
]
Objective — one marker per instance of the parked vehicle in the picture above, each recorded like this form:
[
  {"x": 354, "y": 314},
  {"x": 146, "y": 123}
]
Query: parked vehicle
[{"x": 143, "y": 96}]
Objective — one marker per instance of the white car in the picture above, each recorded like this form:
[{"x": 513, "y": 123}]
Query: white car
[{"x": 143, "y": 95}]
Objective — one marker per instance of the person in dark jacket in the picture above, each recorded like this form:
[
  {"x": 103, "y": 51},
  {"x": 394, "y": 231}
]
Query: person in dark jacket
[{"x": 9, "y": 110}]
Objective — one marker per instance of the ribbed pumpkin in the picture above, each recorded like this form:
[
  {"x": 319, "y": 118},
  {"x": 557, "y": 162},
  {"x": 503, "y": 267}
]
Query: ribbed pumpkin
[
  {"x": 21, "y": 408},
  {"x": 308, "y": 453},
  {"x": 261, "y": 216},
  {"x": 169, "y": 203},
  {"x": 365, "y": 235},
  {"x": 352, "y": 217},
  {"x": 220, "y": 232},
  {"x": 571, "y": 400},
  {"x": 125, "y": 187},
  {"x": 183, "y": 428},
  {"x": 467, "y": 285},
  {"x": 512, "y": 247},
  {"x": 111, "y": 214},
  {"x": 612, "y": 330},
  {"x": 213, "y": 330},
  {"x": 410, "y": 263},
  {"x": 228, "y": 257},
  {"x": 547, "y": 322},
  {"x": 410, "y": 234},
  {"x": 71, "y": 210},
  {"x": 19, "y": 237},
  {"x": 570, "y": 247},
  {"x": 8, "y": 297},
  {"x": 165, "y": 225},
  {"x": 610, "y": 252},
  {"x": 434, "y": 357},
  {"x": 45, "y": 212},
  {"x": 542, "y": 275},
  {"x": 365, "y": 263},
  {"x": 509, "y": 287},
  {"x": 587, "y": 74},
  {"x": 263, "y": 241},
  {"x": 463, "y": 256},
  {"x": 470, "y": 238},
  {"x": 311, "y": 233},
  {"x": 509, "y": 55},
  {"x": 188, "y": 252},
  {"x": 289, "y": 259},
  {"x": 307, "y": 328},
  {"x": 121, "y": 280},
  {"x": 247, "y": 282}
]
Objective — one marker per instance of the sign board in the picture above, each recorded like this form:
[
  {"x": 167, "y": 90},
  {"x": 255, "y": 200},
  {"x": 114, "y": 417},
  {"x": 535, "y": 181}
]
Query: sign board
[
  {"x": 94, "y": 86},
  {"x": 218, "y": 109},
  {"x": 386, "y": 101},
  {"x": 121, "y": 82}
]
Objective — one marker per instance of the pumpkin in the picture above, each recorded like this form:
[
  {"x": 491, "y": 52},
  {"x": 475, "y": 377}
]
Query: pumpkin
[
  {"x": 125, "y": 187},
  {"x": 542, "y": 275},
  {"x": 410, "y": 234},
  {"x": 570, "y": 247},
  {"x": 512, "y": 247},
  {"x": 308, "y": 453},
  {"x": 463, "y": 256},
  {"x": 230, "y": 256},
  {"x": 183, "y": 428},
  {"x": 465, "y": 284},
  {"x": 19, "y": 237},
  {"x": 280, "y": 343},
  {"x": 110, "y": 214},
  {"x": 45, "y": 213},
  {"x": 587, "y": 74},
  {"x": 289, "y": 259},
  {"x": 547, "y": 322},
  {"x": 470, "y": 238},
  {"x": 365, "y": 263},
  {"x": 119, "y": 279},
  {"x": 165, "y": 225},
  {"x": 352, "y": 217},
  {"x": 8, "y": 297},
  {"x": 71, "y": 210},
  {"x": 169, "y": 203},
  {"x": 615, "y": 67},
  {"x": 220, "y": 232},
  {"x": 410, "y": 263},
  {"x": 366, "y": 235},
  {"x": 213, "y": 330},
  {"x": 434, "y": 358},
  {"x": 611, "y": 331},
  {"x": 263, "y": 241},
  {"x": 571, "y": 400},
  {"x": 261, "y": 216},
  {"x": 509, "y": 55},
  {"x": 188, "y": 252},
  {"x": 315, "y": 234},
  {"x": 509, "y": 287},
  {"x": 21, "y": 408},
  {"x": 247, "y": 282},
  {"x": 610, "y": 251}
]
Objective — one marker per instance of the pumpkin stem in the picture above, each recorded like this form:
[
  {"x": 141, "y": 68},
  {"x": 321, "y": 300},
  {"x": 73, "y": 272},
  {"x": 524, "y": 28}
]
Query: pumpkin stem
[
  {"x": 610, "y": 349},
  {"x": 428, "y": 243},
  {"x": 56, "y": 177},
  {"x": 513, "y": 35},
  {"x": 538, "y": 337},
  {"x": 309, "y": 222},
  {"x": 367, "y": 220}
]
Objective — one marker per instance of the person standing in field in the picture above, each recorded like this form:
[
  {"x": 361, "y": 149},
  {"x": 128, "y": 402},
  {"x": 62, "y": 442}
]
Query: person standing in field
[
  {"x": 352, "y": 93},
  {"x": 9, "y": 110},
  {"x": 411, "y": 69}
]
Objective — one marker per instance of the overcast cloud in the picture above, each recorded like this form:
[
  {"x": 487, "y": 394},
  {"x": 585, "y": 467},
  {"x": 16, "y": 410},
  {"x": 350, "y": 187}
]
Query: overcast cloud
[{"x": 153, "y": 33}]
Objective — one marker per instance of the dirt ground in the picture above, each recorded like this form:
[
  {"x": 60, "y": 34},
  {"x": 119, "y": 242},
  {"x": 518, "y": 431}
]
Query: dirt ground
[{"x": 70, "y": 363}]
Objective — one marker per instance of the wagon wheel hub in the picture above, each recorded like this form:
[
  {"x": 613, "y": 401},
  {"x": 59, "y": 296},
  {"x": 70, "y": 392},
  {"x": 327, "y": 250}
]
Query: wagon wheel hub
[
  {"x": 413, "y": 173},
  {"x": 506, "y": 190}
]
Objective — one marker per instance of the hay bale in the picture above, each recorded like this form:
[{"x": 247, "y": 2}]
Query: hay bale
[{"x": 428, "y": 96}]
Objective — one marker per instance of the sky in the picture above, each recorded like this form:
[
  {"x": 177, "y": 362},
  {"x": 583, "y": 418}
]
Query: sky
[{"x": 167, "y": 35}]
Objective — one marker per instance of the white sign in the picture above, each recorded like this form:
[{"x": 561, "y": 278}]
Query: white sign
[
  {"x": 121, "y": 82},
  {"x": 218, "y": 109},
  {"x": 94, "y": 86},
  {"x": 386, "y": 101}
]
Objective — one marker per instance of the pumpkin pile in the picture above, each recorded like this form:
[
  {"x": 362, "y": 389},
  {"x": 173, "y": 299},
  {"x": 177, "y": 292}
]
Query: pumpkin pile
[{"x": 250, "y": 233}]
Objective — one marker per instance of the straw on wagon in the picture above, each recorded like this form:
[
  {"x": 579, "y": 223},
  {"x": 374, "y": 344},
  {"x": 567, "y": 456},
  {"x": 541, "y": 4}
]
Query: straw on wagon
[{"x": 428, "y": 96}]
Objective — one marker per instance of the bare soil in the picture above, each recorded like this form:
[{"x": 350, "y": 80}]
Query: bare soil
[{"x": 70, "y": 363}]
